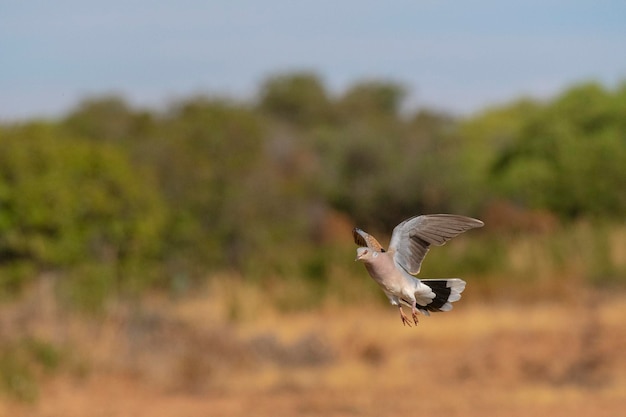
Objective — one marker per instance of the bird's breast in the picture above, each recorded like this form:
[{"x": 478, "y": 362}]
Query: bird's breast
[{"x": 387, "y": 276}]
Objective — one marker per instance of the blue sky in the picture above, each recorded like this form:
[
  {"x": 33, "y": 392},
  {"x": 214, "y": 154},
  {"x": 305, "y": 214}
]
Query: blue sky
[{"x": 458, "y": 56}]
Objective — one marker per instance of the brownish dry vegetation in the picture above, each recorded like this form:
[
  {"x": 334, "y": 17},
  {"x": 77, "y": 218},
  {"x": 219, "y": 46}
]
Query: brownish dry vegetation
[
  {"x": 238, "y": 215},
  {"x": 186, "y": 358}
]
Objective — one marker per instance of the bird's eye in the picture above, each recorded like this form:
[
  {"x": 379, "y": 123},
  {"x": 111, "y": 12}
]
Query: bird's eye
[{"x": 365, "y": 252}]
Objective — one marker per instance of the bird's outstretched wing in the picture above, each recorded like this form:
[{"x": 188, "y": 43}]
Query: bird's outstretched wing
[
  {"x": 412, "y": 238},
  {"x": 361, "y": 238}
]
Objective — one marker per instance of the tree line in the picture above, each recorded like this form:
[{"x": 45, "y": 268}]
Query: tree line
[{"x": 117, "y": 199}]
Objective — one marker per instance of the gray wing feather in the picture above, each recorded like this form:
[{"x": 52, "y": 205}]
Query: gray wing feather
[{"x": 412, "y": 238}]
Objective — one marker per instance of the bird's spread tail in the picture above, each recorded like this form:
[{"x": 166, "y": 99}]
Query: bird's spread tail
[{"x": 446, "y": 292}]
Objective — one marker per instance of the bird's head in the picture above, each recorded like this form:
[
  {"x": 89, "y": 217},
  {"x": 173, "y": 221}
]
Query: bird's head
[{"x": 365, "y": 254}]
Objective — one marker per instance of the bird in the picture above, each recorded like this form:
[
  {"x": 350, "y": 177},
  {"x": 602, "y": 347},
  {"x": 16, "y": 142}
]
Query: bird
[{"x": 394, "y": 269}]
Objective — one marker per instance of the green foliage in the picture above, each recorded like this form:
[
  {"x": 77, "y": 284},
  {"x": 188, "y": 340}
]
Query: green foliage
[
  {"x": 208, "y": 155},
  {"x": 483, "y": 256},
  {"x": 66, "y": 202},
  {"x": 16, "y": 378},
  {"x": 484, "y": 140},
  {"x": 115, "y": 200},
  {"x": 299, "y": 98},
  {"x": 370, "y": 100},
  {"x": 381, "y": 170},
  {"x": 22, "y": 362},
  {"x": 566, "y": 156},
  {"x": 106, "y": 119}
]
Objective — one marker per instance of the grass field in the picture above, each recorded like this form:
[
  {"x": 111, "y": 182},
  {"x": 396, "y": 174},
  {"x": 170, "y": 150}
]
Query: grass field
[{"x": 186, "y": 358}]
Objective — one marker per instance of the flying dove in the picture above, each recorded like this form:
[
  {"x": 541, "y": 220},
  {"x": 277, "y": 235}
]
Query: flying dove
[{"x": 393, "y": 269}]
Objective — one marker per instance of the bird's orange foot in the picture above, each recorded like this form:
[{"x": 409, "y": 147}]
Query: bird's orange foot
[
  {"x": 405, "y": 319},
  {"x": 415, "y": 319}
]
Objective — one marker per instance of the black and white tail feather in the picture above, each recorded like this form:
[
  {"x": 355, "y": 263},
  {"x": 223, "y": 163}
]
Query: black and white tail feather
[{"x": 437, "y": 294}]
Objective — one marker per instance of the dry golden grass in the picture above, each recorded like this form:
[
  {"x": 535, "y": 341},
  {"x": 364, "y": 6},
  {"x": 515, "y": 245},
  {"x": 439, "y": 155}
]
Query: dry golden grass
[{"x": 187, "y": 358}]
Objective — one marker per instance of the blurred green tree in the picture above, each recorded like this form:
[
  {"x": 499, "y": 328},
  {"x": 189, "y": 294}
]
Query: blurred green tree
[
  {"x": 300, "y": 99},
  {"x": 208, "y": 184},
  {"x": 107, "y": 118},
  {"x": 208, "y": 162},
  {"x": 379, "y": 162},
  {"x": 568, "y": 157},
  {"x": 67, "y": 202},
  {"x": 372, "y": 99}
]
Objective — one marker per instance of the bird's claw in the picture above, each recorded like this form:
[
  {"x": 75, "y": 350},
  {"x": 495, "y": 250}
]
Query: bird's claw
[
  {"x": 414, "y": 313},
  {"x": 415, "y": 319},
  {"x": 405, "y": 319}
]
